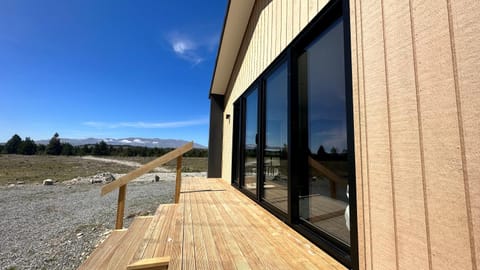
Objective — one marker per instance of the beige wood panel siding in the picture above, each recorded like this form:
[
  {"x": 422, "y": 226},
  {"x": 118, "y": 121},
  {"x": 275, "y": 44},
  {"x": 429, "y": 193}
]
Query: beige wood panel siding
[
  {"x": 273, "y": 25},
  {"x": 442, "y": 157},
  {"x": 464, "y": 28},
  {"x": 416, "y": 88},
  {"x": 359, "y": 125},
  {"x": 379, "y": 167},
  {"x": 405, "y": 143}
]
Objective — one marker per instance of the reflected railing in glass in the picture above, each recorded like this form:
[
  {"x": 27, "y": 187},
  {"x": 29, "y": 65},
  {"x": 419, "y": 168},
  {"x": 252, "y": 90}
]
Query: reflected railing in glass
[
  {"x": 276, "y": 177},
  {"x": 323, "y": 202}
]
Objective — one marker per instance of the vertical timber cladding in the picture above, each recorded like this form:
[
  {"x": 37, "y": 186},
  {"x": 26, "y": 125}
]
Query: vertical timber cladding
[
  {"x": 416, "y": 98},
  {"x": 273, "y": 25}
]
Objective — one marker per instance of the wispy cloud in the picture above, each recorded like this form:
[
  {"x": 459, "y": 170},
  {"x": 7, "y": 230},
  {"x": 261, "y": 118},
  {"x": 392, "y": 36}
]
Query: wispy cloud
[
  {"x": 175, "y": 124},
  {"x": 185, "y": 48},
  {"x": 192, "y": 49},
  {"x": 181, "y": 47}
]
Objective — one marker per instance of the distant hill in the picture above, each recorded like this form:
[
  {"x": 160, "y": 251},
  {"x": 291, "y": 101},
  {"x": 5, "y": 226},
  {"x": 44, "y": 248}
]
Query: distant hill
[{"x": 159, "y": 143}]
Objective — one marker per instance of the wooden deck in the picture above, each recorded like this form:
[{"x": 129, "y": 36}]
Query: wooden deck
[{"x": 214, "y": 226}]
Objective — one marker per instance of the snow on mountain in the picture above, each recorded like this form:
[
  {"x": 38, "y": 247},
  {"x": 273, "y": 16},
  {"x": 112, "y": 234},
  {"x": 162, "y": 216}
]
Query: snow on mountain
[{"x": 144, "y": 142}]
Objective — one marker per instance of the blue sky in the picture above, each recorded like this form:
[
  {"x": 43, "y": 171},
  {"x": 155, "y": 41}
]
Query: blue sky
[{"x": 107, "y": 69}]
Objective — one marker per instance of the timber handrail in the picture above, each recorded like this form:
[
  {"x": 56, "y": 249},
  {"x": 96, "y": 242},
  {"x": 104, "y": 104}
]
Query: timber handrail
[{"x": 121, "y": 183}]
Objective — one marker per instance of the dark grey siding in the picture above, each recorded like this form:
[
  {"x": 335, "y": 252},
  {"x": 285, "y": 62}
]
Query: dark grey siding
[{"x": 215, "y": 140}]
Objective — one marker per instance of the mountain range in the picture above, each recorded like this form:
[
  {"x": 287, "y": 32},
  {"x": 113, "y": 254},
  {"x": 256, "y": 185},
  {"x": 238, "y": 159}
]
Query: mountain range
[{"x": 159, "y": 143}]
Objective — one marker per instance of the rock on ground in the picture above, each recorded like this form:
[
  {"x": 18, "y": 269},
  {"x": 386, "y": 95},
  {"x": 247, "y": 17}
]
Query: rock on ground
[{"x": 56, "y": 227}]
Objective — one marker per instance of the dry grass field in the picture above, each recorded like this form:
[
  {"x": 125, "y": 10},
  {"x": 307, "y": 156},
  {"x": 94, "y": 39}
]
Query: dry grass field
[
  {"x": 34, "y": 169},
  {"x": 189, "y": 164}
]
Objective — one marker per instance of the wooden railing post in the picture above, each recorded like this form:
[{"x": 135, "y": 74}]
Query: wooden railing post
[
  {"x": 178, "y": 179},
  {"x": 122, "y": 193},
  {"x": 333, "y": 189},
  {"x": 121, "y": 183}
]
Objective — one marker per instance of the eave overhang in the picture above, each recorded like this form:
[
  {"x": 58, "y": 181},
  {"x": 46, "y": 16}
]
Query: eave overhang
[{"x": 234, "y": 27}]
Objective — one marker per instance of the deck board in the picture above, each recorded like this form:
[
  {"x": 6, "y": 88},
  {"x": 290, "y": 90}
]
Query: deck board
[
  {"x": 103, "y": 250},
  {"x": 223, "y": 259},
  {"x": 117, "y": 250},
  {"x": 253, "y": 237},
  {"x": 215, "y": 226},
  {"x": 213, "y": 253},
  {"x": 173, "y": 245},
  {"x": 188, "y": 256},
  {"x": 129, "y": 244},
  {"x": 237, "y": 233}
]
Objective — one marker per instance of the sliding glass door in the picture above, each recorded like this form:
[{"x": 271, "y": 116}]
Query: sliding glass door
[
  {"x": 293, "y": 142},
  {"x": 250, "y": 141},
  {"x": 261, "y": 116},
  {"x": 275, "y": 154},
  {"x": 323, "y": 199}
]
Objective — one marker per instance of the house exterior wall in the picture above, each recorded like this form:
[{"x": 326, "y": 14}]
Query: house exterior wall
[
  {"x": 214, "y": 147},
  {"x": 416, "y": 87},
  {"x": 273, "y": 25}
]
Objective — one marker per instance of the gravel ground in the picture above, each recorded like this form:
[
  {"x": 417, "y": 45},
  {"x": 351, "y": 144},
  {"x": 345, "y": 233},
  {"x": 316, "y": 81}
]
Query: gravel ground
[{"x": 57, "y": 227}]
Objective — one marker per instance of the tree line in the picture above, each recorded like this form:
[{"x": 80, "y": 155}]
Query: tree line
[{"x": 16, "y": 145}]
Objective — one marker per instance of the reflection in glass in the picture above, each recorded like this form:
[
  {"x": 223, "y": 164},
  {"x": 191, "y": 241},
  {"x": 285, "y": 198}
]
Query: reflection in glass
[
  {"x": 251, "y": 140},
  {"x": 276, "y": 133},
  {"x": 323, "y": 198}
]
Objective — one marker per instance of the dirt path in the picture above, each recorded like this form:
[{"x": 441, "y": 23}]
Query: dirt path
[{"x": 123, "y": 162}]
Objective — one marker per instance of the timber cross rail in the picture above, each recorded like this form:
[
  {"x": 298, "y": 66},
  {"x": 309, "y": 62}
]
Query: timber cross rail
[{"x": 121, "y": 183}]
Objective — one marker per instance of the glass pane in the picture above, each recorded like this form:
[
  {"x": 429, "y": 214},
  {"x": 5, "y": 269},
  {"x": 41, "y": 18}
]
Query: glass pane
[
  {"x": 276, "y": 133},
  {"x": 251, "y": 140},
  {"x": 323, "y": 198}
]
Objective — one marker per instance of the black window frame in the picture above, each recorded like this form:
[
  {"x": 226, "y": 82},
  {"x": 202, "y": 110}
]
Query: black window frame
[
  {"x": 296, "y": 159},
  {"x": 236, "y": 145}
]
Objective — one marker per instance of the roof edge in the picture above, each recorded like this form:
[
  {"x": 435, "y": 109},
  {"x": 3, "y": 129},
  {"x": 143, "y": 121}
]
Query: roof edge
[{"x": 236, "y": 21}]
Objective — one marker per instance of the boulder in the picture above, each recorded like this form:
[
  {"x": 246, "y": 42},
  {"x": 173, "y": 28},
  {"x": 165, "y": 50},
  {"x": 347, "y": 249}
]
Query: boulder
[
  {"x": 95, "y": 180},
  {"x": 102, "y": 177},
  {"x": 48, "y": 182},
  {"x": 109, "y": 177}
]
